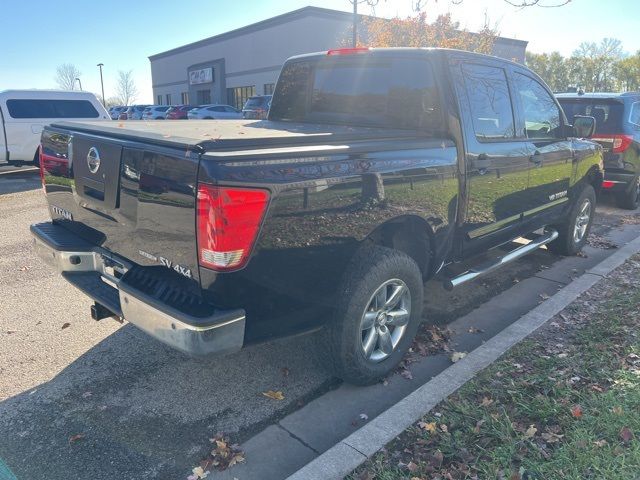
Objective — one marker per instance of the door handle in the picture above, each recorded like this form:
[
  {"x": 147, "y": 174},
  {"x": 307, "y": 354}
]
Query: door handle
[{"x": 536, "y": 158}]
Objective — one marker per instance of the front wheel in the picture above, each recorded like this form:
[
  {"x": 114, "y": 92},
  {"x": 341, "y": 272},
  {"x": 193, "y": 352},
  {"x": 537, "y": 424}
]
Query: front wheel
[
  {"x": 573, "y": 233},
  {"x": 377, "y": 315}
]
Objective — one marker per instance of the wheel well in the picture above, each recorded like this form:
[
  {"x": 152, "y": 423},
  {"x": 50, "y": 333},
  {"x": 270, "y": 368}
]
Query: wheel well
[{"x": 410, "y": 235}]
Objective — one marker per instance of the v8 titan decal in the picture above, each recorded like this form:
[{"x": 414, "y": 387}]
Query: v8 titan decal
[
  {"x": 558, "y": 195},
  {"x": 181, "y": 269}
]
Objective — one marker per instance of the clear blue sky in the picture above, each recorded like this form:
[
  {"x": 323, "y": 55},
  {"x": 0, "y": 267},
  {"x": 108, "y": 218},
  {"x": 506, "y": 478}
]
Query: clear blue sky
[{"x": 38, "y": 35}]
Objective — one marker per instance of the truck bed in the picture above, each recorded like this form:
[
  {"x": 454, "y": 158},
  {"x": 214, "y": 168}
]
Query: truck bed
[{"x": 206, "y": 135}]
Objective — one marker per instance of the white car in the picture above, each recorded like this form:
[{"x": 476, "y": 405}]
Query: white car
[
  {"x": 115, "y": 112},
  {"x": 24, "y": 113},
  {"x": 155, "y": 112},
  {"x": 214, "y": 112}
]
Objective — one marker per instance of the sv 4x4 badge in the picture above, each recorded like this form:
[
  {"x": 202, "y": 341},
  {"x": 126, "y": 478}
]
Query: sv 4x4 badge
[{"x": 181, "y": 269}]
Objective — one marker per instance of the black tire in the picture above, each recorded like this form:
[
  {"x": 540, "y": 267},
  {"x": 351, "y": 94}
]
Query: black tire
[
  {"x": 369, "y": 271},
  {"x": 566, "y": 243},
  {"x": 630, "y": 198}
]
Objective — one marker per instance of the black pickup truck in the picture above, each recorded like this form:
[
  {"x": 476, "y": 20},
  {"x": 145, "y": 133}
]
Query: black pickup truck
[{"x": 375, "y": 169}]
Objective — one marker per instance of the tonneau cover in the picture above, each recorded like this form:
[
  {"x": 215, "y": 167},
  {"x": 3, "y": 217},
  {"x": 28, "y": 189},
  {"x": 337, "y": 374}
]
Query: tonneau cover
[{"x": 207, "y": 135}]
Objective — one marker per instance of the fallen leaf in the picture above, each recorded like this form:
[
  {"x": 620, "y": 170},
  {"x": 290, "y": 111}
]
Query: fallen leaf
[
  {"x": 412, "y": 467},
  {"x": 199, "y": 472},
  {"x": 600, "y": 443},
  {"x": 444, "y": 428},
  {"x": 551, "y": 437},
  {"x": 86, "y": 394},
  {"x": 275, "y": 395},
  {"x": 617, "y": 410},
  {"x": 486, "y": 401},
  {"x": 65, "y": 325},
  {"x": 563, "y": 355},
  {"x": 576, "y": 411},
  {"x": 285, "y": 371},
  {"x": 457, "y": 356},
  {"x": 406, "y": 374},
  {"x": 75, "y": 438},
  {"x": 429, "y": 427},
  {"x": 626, "y": 434},
  {"x": 475, "y": 330},
  {"x": 364, "y": 416},
  {"x": 479, "y": 423},
  {"x": 530, "y": 432}
]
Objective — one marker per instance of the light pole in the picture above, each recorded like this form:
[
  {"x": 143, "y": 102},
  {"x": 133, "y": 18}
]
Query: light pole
[
  {"x": 100, "y": 65},
  {"x": 79, "y": 82}
]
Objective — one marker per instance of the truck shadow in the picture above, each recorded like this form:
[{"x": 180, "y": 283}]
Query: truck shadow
[
  {"x": 18, "y": 182},
  {"x": 143, "y": 407}
]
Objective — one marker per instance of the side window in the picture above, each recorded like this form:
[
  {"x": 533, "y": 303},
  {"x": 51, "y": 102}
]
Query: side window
[
  {"x": 634, "y": 114},
  {"x": 541, "y": 114},
  {"x": 230, "y": 110},
  {"x": 22, "y": 108},
  {"x": 490, "y": 101}
]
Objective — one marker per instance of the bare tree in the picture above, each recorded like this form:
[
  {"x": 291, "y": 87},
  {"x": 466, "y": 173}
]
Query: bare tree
[
  {"x": 126, "y": 90},
  {"x": 66, "y": 75}
]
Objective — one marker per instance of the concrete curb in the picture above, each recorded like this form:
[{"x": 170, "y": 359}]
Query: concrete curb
[{"x": 352, "y": 451}]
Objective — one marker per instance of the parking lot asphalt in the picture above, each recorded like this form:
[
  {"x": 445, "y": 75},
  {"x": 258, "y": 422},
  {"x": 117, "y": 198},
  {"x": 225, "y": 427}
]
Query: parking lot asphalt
[{"x": 100, "y": 400}]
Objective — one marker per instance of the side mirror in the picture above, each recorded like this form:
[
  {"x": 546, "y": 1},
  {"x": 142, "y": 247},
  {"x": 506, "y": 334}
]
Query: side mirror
[{"x": 583, "y": 126}]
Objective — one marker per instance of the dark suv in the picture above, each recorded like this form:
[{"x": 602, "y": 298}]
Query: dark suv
[
  {"x": 257, "y": 107},
  {"x": 618, "y": 131}
]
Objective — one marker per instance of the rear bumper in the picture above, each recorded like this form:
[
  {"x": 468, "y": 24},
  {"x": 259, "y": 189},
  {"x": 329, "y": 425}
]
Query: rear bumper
[
  {"x": 104, "y": 277},
  {"x": 618, "y": 181}
]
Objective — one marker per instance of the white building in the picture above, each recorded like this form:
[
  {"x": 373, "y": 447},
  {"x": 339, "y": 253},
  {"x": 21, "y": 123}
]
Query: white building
[{"x": 232, "y": 66}]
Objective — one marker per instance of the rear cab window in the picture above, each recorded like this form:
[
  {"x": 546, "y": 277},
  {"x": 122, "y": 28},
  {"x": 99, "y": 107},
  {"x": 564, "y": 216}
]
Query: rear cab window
[
  {"x": 42, "y": 108},
  {"x": 368, "y": 90}
]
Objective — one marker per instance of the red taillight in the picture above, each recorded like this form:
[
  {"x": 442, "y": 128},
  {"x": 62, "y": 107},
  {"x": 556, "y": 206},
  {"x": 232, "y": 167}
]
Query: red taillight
[
  {"x": 228, "y": 220},
  {"x": 347, "y": 51},
  {"x": 619, "y": 143},
  {"x": 607, "y": 184}
]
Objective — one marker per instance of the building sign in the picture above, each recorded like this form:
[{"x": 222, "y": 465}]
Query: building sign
[{"x": 204, "y": 75}]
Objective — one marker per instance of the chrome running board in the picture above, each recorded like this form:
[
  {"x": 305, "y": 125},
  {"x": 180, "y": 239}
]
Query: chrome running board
[{"x": 548, "y": 236}]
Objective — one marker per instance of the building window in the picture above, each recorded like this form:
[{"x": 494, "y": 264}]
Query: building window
[
  {"x": 159, "y": 99},
  {"x": 204, "y": 97},
  {"x": 268, "y": 88},
  {"x": 185, "y": 98},
  {"x": 168, "y": 97},
  {"x": 239, "y": 95}
]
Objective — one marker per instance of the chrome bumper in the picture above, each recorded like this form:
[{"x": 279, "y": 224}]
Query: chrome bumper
[{"x": 102, "y": 276}]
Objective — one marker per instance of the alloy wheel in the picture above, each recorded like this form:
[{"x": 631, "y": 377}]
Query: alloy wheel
[
  {"x": 582, "y": 221},
  {"x": 385, "y": 320}
]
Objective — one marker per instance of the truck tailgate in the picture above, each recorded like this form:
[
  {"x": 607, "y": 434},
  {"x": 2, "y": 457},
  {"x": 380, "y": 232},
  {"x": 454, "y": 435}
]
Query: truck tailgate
[{"x": 136, "y": 200}]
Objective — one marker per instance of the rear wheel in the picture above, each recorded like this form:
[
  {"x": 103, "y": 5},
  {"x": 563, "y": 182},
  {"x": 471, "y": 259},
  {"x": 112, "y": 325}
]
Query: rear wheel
[
  {"x": 573, "y": 233},
  {"x": 630, "y": 198},
  {"x": 377, "y": 315}
]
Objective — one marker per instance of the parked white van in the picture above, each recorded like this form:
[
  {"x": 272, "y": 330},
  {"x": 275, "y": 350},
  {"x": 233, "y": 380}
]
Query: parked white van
[{"x": 23, "y": 114}]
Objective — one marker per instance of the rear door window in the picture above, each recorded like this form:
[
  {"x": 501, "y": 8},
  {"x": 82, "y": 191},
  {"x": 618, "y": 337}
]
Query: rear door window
[
  {"x": 490, "y": 101},
  {"x": 634, "y": 114},
  {"x": 23, "y": 108}
]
